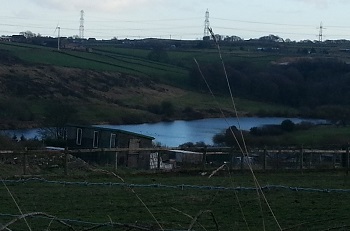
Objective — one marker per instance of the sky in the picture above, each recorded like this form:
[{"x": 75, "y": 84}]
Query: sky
[{"x": 178, "y": 19}]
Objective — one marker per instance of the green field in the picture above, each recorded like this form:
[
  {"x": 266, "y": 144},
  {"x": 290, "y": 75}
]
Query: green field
[
  {"x": 323, "y": 135},
  {"x": 319, "y": 136},
  {"x": 98, "y": 60},
  {"x": 131, "y": 61},
  {"x": 159, "y": 208}
]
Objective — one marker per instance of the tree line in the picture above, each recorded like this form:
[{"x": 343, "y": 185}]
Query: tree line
[{"x": 317, "y": 85}]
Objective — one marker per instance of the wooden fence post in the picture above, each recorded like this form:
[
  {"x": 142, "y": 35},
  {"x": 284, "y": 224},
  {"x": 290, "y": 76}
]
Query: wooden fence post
[
  {"x": 115, "y": 162},
  {"x": 301, "y": 158},
  {"x": 264, "y": 159},
  {"x": 66, "y": 161},
  {"x": 347, "y": 161},
  {"x": 231, "y": 158},
  {"x": 278, "y": 158},
  {"x": 242, "y": 161},
  {"x": 204, "y": 158}
]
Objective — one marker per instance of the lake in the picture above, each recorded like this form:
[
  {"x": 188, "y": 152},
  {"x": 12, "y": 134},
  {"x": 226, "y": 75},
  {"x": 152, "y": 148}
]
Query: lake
[{"x": 173, "y": 134}]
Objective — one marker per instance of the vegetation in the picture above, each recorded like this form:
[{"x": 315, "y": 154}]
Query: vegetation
[
  {"x": 302, "y": 83},
  {"x": 84, "y": 206},
  {"x": 287, "y": 134},
  {"x": 133, "y": 79}
]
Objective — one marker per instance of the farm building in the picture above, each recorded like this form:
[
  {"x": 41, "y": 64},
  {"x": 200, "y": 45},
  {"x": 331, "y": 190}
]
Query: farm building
[
  {"x": 186, "y": 157},
  {"x": 92, "y": 137}
]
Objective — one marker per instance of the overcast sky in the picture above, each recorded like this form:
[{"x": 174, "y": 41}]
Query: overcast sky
[{"x": 178, "y": 19}]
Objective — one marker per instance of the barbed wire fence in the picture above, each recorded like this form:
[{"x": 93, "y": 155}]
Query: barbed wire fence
[
  {"x": 176, "y": 187},
  {"x": 264, "y": 159}
]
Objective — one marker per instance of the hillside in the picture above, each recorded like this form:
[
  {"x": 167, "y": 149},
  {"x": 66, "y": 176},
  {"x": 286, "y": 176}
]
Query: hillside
[
  {"x": 98, "y": 96},
  {"x": 121, "y": 83}
]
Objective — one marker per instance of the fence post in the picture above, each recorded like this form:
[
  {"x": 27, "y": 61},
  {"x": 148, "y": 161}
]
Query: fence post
[
  {"x": 158, "y": 161},
  {"x": 278, "y": 158},
  {"x": 320, "y": 159},
  {"x": 310, "y": 160},
  {"x": 242, "y": 161},
  {"x": 25, "y": 161},
  {"x": 115, "y": 162},
  {"x": 302, "y": 158},
  {"x": 347, "y": 161},
  {"x": 231, "y": 159},
  {"x": 264, "y": 160},
  {"x": 234, "y": 155},
  {"x": 66, "y": 161},
  {"x": 334, "y": 159},
  {"x": 204, "y": 158},
  {"x": 127, "y": 158}
]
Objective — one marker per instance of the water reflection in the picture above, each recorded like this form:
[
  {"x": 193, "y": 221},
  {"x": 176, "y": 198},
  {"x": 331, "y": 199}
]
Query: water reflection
[{"x": 175, "y": 133}]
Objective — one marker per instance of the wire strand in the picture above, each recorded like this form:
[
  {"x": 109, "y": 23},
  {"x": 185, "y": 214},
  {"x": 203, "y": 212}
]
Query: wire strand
[{"x": 245, "y": 152}]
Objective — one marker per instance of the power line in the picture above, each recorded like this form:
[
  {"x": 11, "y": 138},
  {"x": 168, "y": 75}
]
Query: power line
[
  {"x": 165, "y": 28},
  {"x": 264, "y": 23},
  {"x": 263, "y": 31}
]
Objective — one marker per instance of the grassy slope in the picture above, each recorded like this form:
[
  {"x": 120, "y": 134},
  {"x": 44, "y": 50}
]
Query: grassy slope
[{"x": 132, "y": 62}]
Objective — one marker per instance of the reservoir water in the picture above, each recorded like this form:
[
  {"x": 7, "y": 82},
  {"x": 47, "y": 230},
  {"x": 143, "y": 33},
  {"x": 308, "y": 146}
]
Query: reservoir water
[{"x": 173, "y": 134}]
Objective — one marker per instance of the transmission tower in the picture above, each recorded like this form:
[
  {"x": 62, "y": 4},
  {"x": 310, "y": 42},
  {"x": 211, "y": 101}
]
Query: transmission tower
[
  {"x": 206, "y": 25},
  {"x": 81, "y": 27},
  {"x": 320, "y": 34}
]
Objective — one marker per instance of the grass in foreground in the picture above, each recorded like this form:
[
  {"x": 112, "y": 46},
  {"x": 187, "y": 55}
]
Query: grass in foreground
[{"x": 175, "y": 208}]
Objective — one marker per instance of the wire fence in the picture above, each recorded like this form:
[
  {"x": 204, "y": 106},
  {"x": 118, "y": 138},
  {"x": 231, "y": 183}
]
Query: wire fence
[
  {"x": 178, "y": 187},
  {"x": 32, "y": 161},
  {"x": 169, "y": 159}
]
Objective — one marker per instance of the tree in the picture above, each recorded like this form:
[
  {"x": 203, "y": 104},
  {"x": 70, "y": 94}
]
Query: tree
[
  {"x": 27, "y": 34},
  {"x": 219, "y": 139},
  {"x": 287, "y": 125},
  {"x": 57, "y": 115}
]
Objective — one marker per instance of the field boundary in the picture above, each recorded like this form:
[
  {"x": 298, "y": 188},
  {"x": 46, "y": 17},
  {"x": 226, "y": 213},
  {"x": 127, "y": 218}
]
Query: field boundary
[
  {"x": 204, "y": 158},
  {"x": 179, "y": 187}
]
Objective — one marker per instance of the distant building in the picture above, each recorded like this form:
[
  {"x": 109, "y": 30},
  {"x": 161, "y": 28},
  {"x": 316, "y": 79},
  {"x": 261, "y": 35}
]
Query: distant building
[
  {"x": 18, "y": 38},
  {"x": 92, "y": 137}
]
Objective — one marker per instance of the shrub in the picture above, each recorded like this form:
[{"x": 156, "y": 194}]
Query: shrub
[
  {"x": 168, "y": 108},
  {"x": 219, "y": 139},
  {"x": 287, "y": 125},
  {"x": 266, "y": 130},
  {"x": 155, "y": 109}
]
